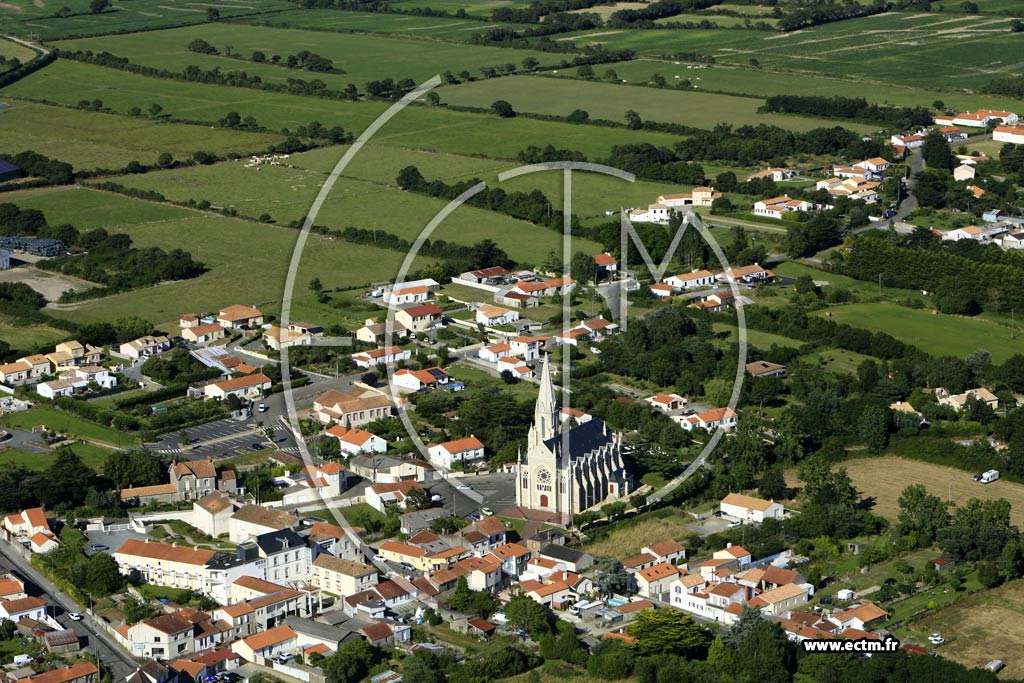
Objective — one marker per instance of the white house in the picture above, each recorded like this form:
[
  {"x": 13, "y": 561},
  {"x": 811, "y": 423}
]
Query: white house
[
  {"x": 490, "y": 316},
  {"x": 386, "y": 355},
  {"x": 709, "y": 420},
  {"x": 418, "y": 380},
  {"x": 60, "y": 387},
  {"x": 698, "y": 278},
  {"x": 968, "y": 232},
  {"x": 419, "y": 318},
  {"x": 414, "y": 292},
  {"x": 200, "y": 334},
  {"x": 527, "y": 348},
  {"x": 876, "y": 165},
  {"x": 662, "y": 289},
  {"x": 382, "y": 496},
  {"x": 236, "y": 317},
  {"x": 467, "y": 450},
  {"x": 1012, "y": 134},
  {"x": 246, "y": 386},
  {"x": 776, "y": 206},
  {"x": 750, "y": 509},
  {"x": 561, "y": 285},
  {"x": 666, "y": 403},
  {"x": 354, "y": 440},
  {"x": 775, "y": 174},
  {"x": 964, "y": 172},
  {"x": 144, "y": 347},
  {"x": 492, "y": 353}
]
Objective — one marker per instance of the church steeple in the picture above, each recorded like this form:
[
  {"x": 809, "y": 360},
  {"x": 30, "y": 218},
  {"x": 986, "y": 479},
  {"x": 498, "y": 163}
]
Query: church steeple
[{"x": 545, "y": 413}]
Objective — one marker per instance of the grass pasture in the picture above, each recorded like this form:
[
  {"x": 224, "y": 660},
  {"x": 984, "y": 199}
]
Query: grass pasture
[
  {"x": 90, "y": 140},
  {"x": 28, "y": 336},
  {"x": 247, "y": 261},
  {"x": 60, "y": 421},
  {"x": 937, "y": 334},
  {"x": 609, "y": 101},
  {"x": 416, "y": 127},
  {"x": 438, "y": 28},
  {"x": 362, "y": 57},
  {"x": 12, "y": 50}
]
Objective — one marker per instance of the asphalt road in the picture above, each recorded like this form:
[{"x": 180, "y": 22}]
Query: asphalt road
[
  {"x": 115, "y": 660},
  {"x": 464, "y": 496}
]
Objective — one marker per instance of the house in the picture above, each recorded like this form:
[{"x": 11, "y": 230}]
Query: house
[
  {"x": 387, "y": 355},
  {"x": 958, "y": 401},
  {"x": 876, "y": 165},
  {"x": 60, "y": 387},
  {"x": 666, "y": 403},
  {"x": 296, "y": 334},
  {"x": 414, "y": 292},
  {"x": 561, "y": 285},
  {"x": 43, "y": 543},
  {"x": 247, "y": 386},
  {"x": 236, "y": 317},
  {"x": 709, "y": 420},
  {"x": 201, "y": 334},
  {"x": 79, "y": 672},
  {"x": 654, "y": 213},
  {"x": 162, "y": 564},
  {"x": 261, "y": 647},
  {"x": 382, "y": 496},
  {"x": 941, "y": 564},
  {"x": 1011, "y": 134},
  {"x": 907, "y": 141},
  {"x": 72, "y": 354},
  {"x": 964, "y": 172},
  {"x": 164, "y": 636},
  {"x": 969, "y": 232},
  {"x": 212, "y": 513},
  {"x": 513, "y": 558},
  {"x": 144, "y": 347},
  {"x": 776, "y": 175},
  {"x": 14, "y": 374},
  {"x": 656, "y": 580},
  {"x": 527, "y": 348},
  {"x": 490, "y": 316},
  {"x": 495, "y": 351},
  {"x": 573, "y": 560},
  {"x": 776, "y": 206},
  {"x": 354, "y": 407},
  {"x": 419, "y": 318},
  {"x": 482, "y": 574},
  {"x": 485, "y": 275},
  {"x": 577, "y": 416},
  {"x": 861, "y": 617},
  {"x": 186, "y": 320},
  {"x": 699, "y": 196},
  {"x": 26, "y": 523},
  {"x": 734, "y": 553},
  {"x": 697, "y": 278},
  {"x": 355, "y": 440},
  {"x": 342, "y": 577},
  {"x": 419, "y": 380},
  {"x": 464, "y": 451},
  {"x": 23, "y": 608},
  {"x": 194, "y": 479},
  {"x": 386, "y": 469},
  {"x": 853, "y": 188},
  {"x": 780, "y": 600},
  {"x": 978, "y": 192},
  {"x": 952, "y": 134},
  {"x": 660, "y": 289},
  {"x": 373, "y": 332},
  {"x": 250, "y": 521},
  {"x": 750, "y": 509},
  {"x": 666, "y": 551},
  {"x": 762, "y": 368},
  {"x": 605, "y": 263},
  {"x": 746, "y": 274}
]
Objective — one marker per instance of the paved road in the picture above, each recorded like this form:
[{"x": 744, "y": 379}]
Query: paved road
[{"x": 118, "y": 662}]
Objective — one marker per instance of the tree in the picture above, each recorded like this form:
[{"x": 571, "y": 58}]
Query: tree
[
  {"x": 125, "y": 469},
  {"x": 939, "y": 104},
  {"x": 351, "y": 663},
  {"x": 760, "y": 646},
  {"x": 873, "y": 427},
  {"x": 97, "y": 6},
  {"x": 578, "y": 116},
  {"x": 530, "y": 63},
  {"x": 212, "y": 14},
  {"x": 633, "y": 120},
  {"x": 316, "y": 286},
  {"x": 773, "y": 484},
  {"x": 526, "y": 615},
  {"x": 422, "y": 667},
  {"x": 935, "y": 151},
  {"x": 503, "y": 109},
  {"x": 613, "y": 578},
  {"x": 669, "y": 631},
  {"x": 822, "y": 486},
  {"x": 417, "y": 499},
  {"x": 921, "y": 514},
  {"x": 155, "y": 109},
  {"x": 585, "y": 71},
  {"x": 103, "y": 576}
]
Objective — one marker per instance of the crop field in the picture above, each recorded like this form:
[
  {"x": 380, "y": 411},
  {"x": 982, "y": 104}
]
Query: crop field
[
  {"x": 287, "y": 193},
  {"x": 361, "y": 57},
  {"x": 439, "y": 28},
  {"x": 417, "y": 127},
  {"x": 742, "y": 80},
  {"x": 609, "y": 101},
  {"x": 12, "y": 50},
  {"x": 247, "y": 261},
  {"x": 939, "y": 335},
  {"x": 959, "y": 49},
  {"x": 89, "y": 140}
]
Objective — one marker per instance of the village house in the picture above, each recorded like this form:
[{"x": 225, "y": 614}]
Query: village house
[
  {"x": 774, "y": 174},
  {"x": 342, "y": 577},
  {"x": 72, "y": 354},
  {"x": 964, "y": 172},
  {"x": 490, "y": 316},
  {"x": 745, "y": 274},
  {"x": 419, "y": 318},
  {"x": 666, "y": 403},
  {"x": 387, "y": 355},
  {"x": 420, "y": 380},
  {"x": 247, "y": 386},
  {"x": 353, "y": 408},
  {"x": 201, "y": 334},
  {"x": 413, "y": 292},
  {"x": 250, "y": 521},
  {"x": 666, "y": 551},
  {"x": 25, "y": 524},
  {"x": 513, "y": 557},
  {"x": 605, "y": 263},
  {"x": 958, "y": 401},
  {"x": 1011, "y": 134},
  {"x": 237, "y": 317},
  {"x": 296, "y": 334},
  {"x": 382, "y": 496},
  {"x": 776, "y": 206},
  {"x": 387, "y": 469},
  {"x": 750, "y": 509},
  {"x": 697, "y": 278},
  {"x": 656, "y": 580},
  {"x": 77, "y": 379},
  {"x": 860, "y": 617},
  {"x": 373, "y": 332},
  {"x": 354, "y": 440},
  {"x": 709, "y": 420},
  {"x": 212, "y": 513},
  {"x": 561, "y": 285},
  {"x": 465, "y": 451},
  {"x": 144, "y": 347},
  {"x": 699, "y": 196},
  {"x": 262, "y": 647},
  {"x": 853, "y": 188},
  {"x": 491, "y": 275},
  {"x": 762, "y": 368}
]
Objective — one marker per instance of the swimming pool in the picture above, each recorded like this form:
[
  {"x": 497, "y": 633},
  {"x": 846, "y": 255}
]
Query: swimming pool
[{"x": 616, "y": 602}]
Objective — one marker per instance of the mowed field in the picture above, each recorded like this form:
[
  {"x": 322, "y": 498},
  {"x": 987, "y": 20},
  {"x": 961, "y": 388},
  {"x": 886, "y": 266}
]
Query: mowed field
[
  {"x": 362, "y": 57},
  {"x": 438, "y": 28},
  {"x": 609, "y": 101},
  {"x": 418, "y": 127},
  {"x": 883, "y": 480},
  {"x": 247, "y": 261},
  {"x": 960, "y": 50},
  {"x": 981, "y": 627},
  {"x": 937, "y": 334},
  {"x": 738, "y": 79},
  {"x": 90, "y": 140}
]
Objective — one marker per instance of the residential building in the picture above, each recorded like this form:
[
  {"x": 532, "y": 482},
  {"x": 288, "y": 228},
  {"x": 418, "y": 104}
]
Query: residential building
[
  {"x": 605, "y": 263},
  {"x": 419, "y": 380},
  {"x": 776, "y": 206},
  {"x": 781, "y": 600},
  {"x": 1011, "y": 134},
  {"x": 382, "y": 496},
  {"x": 23, "y": 608},
  {"x": 968, "y": 232},
  {"x": 709, "y": 420},
  {"x": 25, "y": 524},
  {"x": 342, "y": 577},
  {"x": 964, "y": 172},
  {"x": 355, "y": 440},
  {"x": 415, "y": 292},
  {"x": 250, "y": 521},
  {"x": 491, "y": 275},
  {"x": 354, "y": 407},
  {"x": 762, "y": 368},
  {"x": 656, "y": 580},
  {"x": 79, "y": 672},
  {"x": 465, "y": 451},
  {"x": 853, "y": 188},
  {"x": 860, "y": 617},
  {"x": 697, "y": 278},
  {"x": 666, "y": 403},
  {"x": 666, "y": 551},
  {"x": 144, "y": 347},
  {"x": 247, "y": 386},
  {"x": 513, "y": 557},
  {"x": 746, "y": 274},
  {"x": 212, "y": 513},
  {"x": 958, "y": 401},
  {"x": 203, "y": 333},
  {"x": 237, "y": 317},
  {"x": 750, "y": 509},
  {"x": 381, "y": 356},
  {"x": 489, "y": 315},
  {"x": 699, "y": 196},
  {"x": 165, "y": 565},
  {"x": 263, "y": 646},
  {"x": 373, "y": 332},
  {"x": 774, "y": 174},
  {"x": 561, "y": 285},
  {"x": 387, "y": 469},
  {"x": 419, "y": 318}
]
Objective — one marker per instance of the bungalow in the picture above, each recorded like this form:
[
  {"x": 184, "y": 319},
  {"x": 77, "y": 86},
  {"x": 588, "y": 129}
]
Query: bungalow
[
  {"x": 781, "y": 600},
  {"x": 414, "y": 292},
  {"x": 662, "y": 289},
  {"x": 709, "y": 420},
  {"x": 860, "y": 617},
  {"x": 278, "y": 338},
  {"x": 762, "y": 368},
  {"x": 666, "y": 403},
  {"x": 493, "y": 273},
  {"x": 493, "y": 352},
  {"x": 237, "y": 317},
  {"x": 386, "y": 355},
  {"x": 953, "y": 134},
  {"x": 958, "y": 401},
  {"x": 749, "y": 508},
  {"x": 66, "y": 386},
  {"x": 42, "y": 543},
  {"x": 776, "y": 206},
  {"x": 352, "y": 440},
  {"x": 852, "y": 188},
  {"x": 386, "y": 469},
  {"x": 262, "y": 646},
  {"x": 605, "y": 263},
  {"x": 418, "y": 380},
  {"x": 144, "y": 347},
  {"x": 467, "y": 450},
  {"x": 699, "y": 196},
  {"x": 246, "y": 386},
  {"x": 79, "y": 672},
  {"x": 23, "y": 608},
  {"x": 373, "y": 332},
  {"x": 200, "y": 334},
  {"x": 876, "y": 165},
  {"x": 908, "y": 141},
  {"x": 697, "y": 278},
  {"x": 774, "y": 174},
  {"x": 561, "y": 285},
  {"x": 745, "y": 274},
  {"x": 13, "y": 374},
  {"x": 1013, "y": 240},
  {"x": 382, "y": 496},
  {"x": 1011, "y": 134},
  {"x": 490, "y": 316},
  {"x": 355, "y": 407},
  {"x": 969, "y": 232},
  {"x": 964, "y": 172},
  {"x": 419, "y": 318}
]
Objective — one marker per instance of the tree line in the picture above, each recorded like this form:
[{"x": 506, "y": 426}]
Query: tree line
[{"x": 854, "y": 108}]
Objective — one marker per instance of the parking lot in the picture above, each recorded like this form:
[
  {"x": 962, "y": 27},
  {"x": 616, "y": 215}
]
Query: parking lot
[
  {"x": 465, "y": 496},
  {"x": 215, "y": 439}
]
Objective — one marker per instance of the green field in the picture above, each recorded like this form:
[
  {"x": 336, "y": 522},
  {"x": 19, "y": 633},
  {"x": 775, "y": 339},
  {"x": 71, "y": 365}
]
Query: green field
[
  {"x": 247, "y": 261},
  {"x": 438, "y": 28},
  {"x": 939, "y": 335},
  {"x": 89, "y": 140},
  {"x": 482, "y": 8},
  {"x": 742, "y": 80},
  {"x": 361, "y": 57},
  {"x": 757, "y": 338},
  {"x": 609, "y": 101},
  {"x": 93, "y": 456},
  {"x": 60, "y": 421},
  {"x": 30, "y": 336},
  {"x": 960, "y": 50},
  {"x": 35, "y": 17},
  {"x": 723, "y": 21},
  {"x": 12, "y": 50},
  {"x": 417, "y": 127}
]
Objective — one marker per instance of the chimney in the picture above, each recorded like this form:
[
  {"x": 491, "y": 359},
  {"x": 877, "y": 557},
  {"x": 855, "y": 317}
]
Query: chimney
[{"x": 728, "y": 545}]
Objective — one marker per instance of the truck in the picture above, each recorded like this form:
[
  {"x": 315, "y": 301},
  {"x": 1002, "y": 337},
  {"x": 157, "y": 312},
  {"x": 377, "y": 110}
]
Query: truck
[{"x": 989, "y": 477}]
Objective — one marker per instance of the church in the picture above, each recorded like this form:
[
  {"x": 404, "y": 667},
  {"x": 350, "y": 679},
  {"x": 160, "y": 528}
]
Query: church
[{"x": 568, "y": 469}]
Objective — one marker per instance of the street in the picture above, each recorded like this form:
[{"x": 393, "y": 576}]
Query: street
[{"x": 115, "y": 660}]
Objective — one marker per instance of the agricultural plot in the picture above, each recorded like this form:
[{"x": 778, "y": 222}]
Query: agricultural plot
[
  {"x": 286, "y": 193},
  {"x": 12, "y": 50},
  {"x": 360, "y": 56},
  {"x": 959, "y": 49},
  {"x": 417, "y": 127},
  {"x": 36, "y": 17},
  {"x": 247, "y": 261},
  {"x": 609, "y": 101},
  {"x": 480, "y": 8},
  {"x": 28, "y": 337},
  {"x": 740, "y": 80},
  {"x": 720, "y": 20},
  {"x": 939, "y": 335},
  {"x": 409, "y": 25},
  {"x": 89, "y": 140}
]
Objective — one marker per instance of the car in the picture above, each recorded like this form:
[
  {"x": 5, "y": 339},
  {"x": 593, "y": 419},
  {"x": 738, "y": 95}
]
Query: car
[
  {"x": 74, "y": 616},
  {"x": 437, "y": 498},
  {"x": 284, "y": 657},
  {"x": 936, "y": 639},
  {"x": 263, "y": 408},
  {"x": 406, "y": 566},
  {"x": 256, "y": 447},
  {"x": 733, "y": 525},
  {"x": 978, "y": 476},
  {"x": 98, "y": 547},
  {"x": 487, "y": 512}
]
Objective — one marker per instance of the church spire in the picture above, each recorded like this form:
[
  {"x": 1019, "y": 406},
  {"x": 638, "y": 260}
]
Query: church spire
[{"x": 545, "y": 413}]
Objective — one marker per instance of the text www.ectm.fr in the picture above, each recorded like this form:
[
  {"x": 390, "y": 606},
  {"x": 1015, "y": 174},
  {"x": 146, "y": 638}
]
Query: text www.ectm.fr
[{"x": 848, "y": 646}]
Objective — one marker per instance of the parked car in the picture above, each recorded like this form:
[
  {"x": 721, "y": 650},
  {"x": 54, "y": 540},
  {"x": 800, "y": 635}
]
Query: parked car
[
  {"x": 257, "y": 447},
  {"x": 74, "y": 616},
  {"x": 978, "y": 476},
  {"x": 487, "y": 512},
  {"x": 733, "y": 525},
  {"x": 284, "y": 657},
  {"x": 98, "y": 547},
  {"x": 263, "y": 408},
  {"x": 936, "y": 639},
  {"x": 437, "y": 498}
]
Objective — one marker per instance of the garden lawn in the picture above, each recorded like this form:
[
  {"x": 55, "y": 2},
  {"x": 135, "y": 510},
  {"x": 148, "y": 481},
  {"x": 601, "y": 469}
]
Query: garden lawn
[
  {"x": 476, "y": 379},
  {"x": 58, "y": 420}
]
